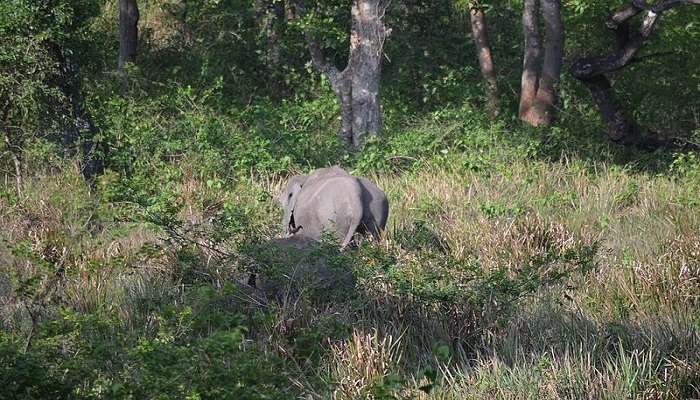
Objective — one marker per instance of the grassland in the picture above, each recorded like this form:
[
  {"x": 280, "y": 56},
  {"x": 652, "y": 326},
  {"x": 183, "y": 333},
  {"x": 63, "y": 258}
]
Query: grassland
[{"x": 503, "y": 273}]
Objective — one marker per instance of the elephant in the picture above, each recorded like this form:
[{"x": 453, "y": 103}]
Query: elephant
[{"x": 330, "y": 199}]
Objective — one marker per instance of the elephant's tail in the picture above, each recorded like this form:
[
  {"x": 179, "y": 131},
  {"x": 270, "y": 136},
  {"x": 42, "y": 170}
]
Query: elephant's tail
[{"x": 352, "y": 229}]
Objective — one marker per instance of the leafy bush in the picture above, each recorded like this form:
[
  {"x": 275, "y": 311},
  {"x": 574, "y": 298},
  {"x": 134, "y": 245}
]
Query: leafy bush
[{"x": 92, "y": 356}]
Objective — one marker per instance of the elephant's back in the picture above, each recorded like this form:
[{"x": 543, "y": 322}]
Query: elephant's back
[
  {"x": 334, "y": 187},
  {"x": 334, "y": 203}
]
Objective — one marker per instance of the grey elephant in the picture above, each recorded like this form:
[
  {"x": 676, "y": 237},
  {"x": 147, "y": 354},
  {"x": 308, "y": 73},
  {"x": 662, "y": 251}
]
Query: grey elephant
[{"x": 332, "y": 200}]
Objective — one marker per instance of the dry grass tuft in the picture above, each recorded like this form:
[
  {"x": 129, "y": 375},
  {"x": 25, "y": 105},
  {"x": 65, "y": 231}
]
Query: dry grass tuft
[{"x": 362, "y": 362}]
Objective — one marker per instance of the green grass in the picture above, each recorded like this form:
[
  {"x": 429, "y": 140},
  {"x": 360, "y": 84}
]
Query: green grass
[{"x": 524, "y": 278}]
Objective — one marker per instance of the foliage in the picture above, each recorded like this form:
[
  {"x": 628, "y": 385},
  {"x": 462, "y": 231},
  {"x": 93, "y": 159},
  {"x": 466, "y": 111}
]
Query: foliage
[
  {"x": 26, "y": 66},
  {"x": 94, "y": 357}
]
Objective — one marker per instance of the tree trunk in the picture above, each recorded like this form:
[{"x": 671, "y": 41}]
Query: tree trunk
[
  {"x": 366, "y": 51},
  {"x": 128, "y": 31},
  {"x": 16, "y": 155},
  {"x": 483, "y": 50},
  {"x": 271, "y": 16},
  {"x": 13, "y": 148},
  {"x": 274, "y": 49},
  {"x": 538, "y": 97},
  {"x": 531, "y": 57},
  {"x": 343, "y": 89},
  {"x": 546, "y": 102},
  {"x": 621, "y": 126},
  {"x": 357, "y": 86}
]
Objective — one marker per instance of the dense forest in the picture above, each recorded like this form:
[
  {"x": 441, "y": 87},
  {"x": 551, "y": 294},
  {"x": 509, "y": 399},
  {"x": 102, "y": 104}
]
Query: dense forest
[{"x": 540, "y": 160}]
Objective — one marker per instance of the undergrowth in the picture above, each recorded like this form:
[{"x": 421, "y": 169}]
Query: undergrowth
[{"x": 503, "y": 273}]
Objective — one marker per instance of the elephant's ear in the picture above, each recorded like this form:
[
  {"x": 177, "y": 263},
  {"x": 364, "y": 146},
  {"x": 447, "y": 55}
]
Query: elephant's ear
[
  {"x": 295, "y": 181},
  {"x": 295, "y": 185},
  {"x": 292, "y": 195}
]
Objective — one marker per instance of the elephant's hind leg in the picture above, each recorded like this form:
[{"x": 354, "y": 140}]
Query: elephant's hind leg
[{"x": 352, "y": 229}]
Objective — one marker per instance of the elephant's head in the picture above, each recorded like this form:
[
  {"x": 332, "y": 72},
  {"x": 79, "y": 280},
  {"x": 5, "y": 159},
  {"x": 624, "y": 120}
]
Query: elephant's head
[{"x": 288, "y": 200}]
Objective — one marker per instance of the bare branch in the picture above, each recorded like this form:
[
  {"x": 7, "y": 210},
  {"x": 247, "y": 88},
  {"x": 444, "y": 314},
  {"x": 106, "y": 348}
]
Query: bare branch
[
  {"x": 628, "y": 46},
  {"x": 622, "y": 16}
]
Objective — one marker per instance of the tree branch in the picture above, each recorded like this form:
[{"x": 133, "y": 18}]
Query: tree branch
[
  {"x": 318, "y": 59},
  {"x": 622, "y": 16},
  {"x": 591, "y": 71},
  {"x": 669, "y": 4},
  {"x": 628, "y": 46}
]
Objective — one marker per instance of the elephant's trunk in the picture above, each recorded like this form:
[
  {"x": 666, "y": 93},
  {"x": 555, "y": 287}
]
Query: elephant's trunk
[{"x": 290, "y": 225}]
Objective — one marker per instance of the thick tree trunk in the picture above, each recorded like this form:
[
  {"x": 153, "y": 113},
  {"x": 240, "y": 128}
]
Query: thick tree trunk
[
  {"x": 128, "y": 31},
  {"x": 592, "y": 71},
  {"x": 546, "y": 102},
  {"x": 357, "y": 86},
  {"x": 343, "y": 89},
  {"x": 366, "y": 51},
  {"x": 538, "y": 98},
  {"x": 483, "y": 50},
  {"x": 621, "y": 127},
  {"x": 532, "y": 53}
]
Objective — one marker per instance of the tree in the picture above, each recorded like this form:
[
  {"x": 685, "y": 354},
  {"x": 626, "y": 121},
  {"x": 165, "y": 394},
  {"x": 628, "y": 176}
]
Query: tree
[
  {"x": 541, "y": 70},
  {"x": 40, "y": 87},
  {"x": 128, "y": 31},
  {"x": 357, "y": 86},
  {"x": 27, "y": 68},
  {"x": 79, "y": 129},
  {"x": 271, "y": 14},
  {"x": 592, "y": 71},
  {"x": 483, "y": 51},
  {"x": 24, "y": 67}
]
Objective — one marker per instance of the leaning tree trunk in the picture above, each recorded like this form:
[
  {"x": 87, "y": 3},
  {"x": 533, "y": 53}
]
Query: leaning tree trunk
[
  {"x": 128, "y": 31},
  {"x": 541, "y": 69},
  {"x": 357, "y": 86},
  {"x": 592, "y": 71},
  {"x": 483, "y": 50}
]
